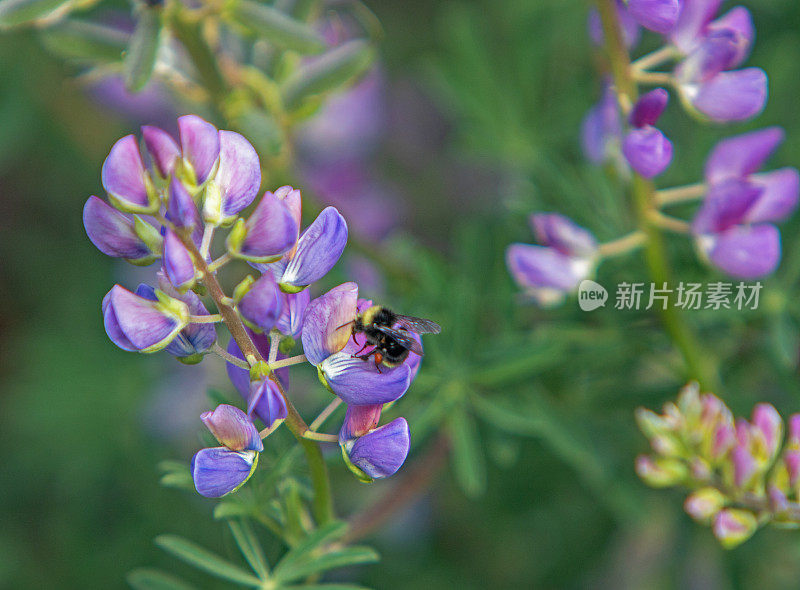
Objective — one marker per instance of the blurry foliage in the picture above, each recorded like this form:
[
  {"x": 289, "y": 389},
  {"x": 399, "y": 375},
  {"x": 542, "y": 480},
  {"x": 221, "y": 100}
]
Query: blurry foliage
[{"x": 541, "y": 418}]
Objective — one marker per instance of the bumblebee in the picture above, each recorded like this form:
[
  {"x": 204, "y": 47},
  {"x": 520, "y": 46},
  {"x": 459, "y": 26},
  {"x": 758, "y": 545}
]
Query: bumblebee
[{"x": 390, "y": 334}]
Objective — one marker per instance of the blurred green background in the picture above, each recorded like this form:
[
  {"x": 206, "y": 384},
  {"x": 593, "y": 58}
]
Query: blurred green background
[{"x": 493, "y": 92}]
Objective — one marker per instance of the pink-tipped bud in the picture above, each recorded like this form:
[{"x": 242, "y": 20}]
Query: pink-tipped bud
[
  {"x": 733, "y": 526},
  {"x": 704, "y": 504}
]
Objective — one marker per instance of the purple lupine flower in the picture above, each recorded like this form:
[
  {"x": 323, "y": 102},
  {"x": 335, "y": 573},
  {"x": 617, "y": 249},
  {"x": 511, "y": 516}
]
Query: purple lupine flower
[
  {"x": 646, "y": 148},
  {"x": 358, "y": 421},
  {"x": 239, "y": 175},
  {"x": 318, "y": 250},
  {"x": 734, "y": 227},
  {"x": 193, "y": 340},
  {"x": 268, "y": 234},
  {"x": 550, "y": 271},
  {"x": 125, "y": 179},
  {"x": 601, "y": 129},
  {"x": 380, "y": 452},
  {"x": 262, "y": 305},
  {"x": 221, "y": 470},
  {"x": 178, "y": 262},
  {"x": 240, "y": 378},
  {"x": 163, "y": 150},
  {"x": 266, "y": 402},
  {"x": 330, "y": 345},
  {"x": 114, "y": 233},
  {"x": 290, "y": 323},
  {"x": 182, "y": 211},
  {"x": 135, "y": 323},
  {"x": 712, "y": 48}
]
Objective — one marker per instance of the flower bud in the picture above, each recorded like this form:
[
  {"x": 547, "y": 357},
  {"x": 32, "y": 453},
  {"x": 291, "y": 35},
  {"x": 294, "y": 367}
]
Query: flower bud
[
  {"x": 219, "y": 471},
  {"x": 793, "y": 440},
  {"x": 661, "y": 472},
  {"x": 704, "y": 504},
  {"x": 380, "y": 453},
  {"x": 162, "y": 149},
  {"x": 232, "y": 428},
  {"x": 200, "y": 146},
  {"x": 733, "y": 526},
  {"x": 239, "y": 176},
  {"x": 649, "y": 108},
  {"x": 181, "y": 208},
  {"x": 137, "y": 324},
  {"x": 262, "y": 305},
  {"x": 266, "y": 402},
  {"x": 769, "y": 426}
]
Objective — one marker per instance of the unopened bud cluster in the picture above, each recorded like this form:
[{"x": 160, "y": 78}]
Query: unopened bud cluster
[{"x": 743, "y": 474}]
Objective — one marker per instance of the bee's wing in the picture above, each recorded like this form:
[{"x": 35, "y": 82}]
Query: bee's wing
[
  {"x": 404, "y": 339},
  {"x": 418, "y": 325}
]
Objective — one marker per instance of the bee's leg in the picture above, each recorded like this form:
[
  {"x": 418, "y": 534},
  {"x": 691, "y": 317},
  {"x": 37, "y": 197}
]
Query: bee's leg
[
  {"x": 378, "y": 361},
  {"x": 360, "y": 351}
]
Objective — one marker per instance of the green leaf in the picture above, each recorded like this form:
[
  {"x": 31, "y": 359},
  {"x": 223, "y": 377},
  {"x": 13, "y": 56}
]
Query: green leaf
[
  {"x": 151, "y": 579},
  {"x": 140, "y": 59},
  {"x": 85, "y": 41},
  {"x": 231, "y": 509},
  {"x": 247, "y": 541},
  {"x": 327, "y": 561},
  {"x": 277, "y": 28},
  {"x": 205, "y": 560},
  {"x": 322, "y": 536},
  {"x": 176, "y": 475},
  {"x": 330, "y": 71},
  {"x": 468, "y": 461},
  {"x": 20, "y": 12}
]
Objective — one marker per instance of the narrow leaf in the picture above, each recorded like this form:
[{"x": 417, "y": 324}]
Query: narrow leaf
[
  {"x": 140, "y": 59},
  {"x": 85, "y": 41},
  {"x": 247, "y": 541},
  {"x": 20, "y": 12},
  {"x": 468, "y": 460},
  {"x": 277, "y": 28},
  {"x": 330, "y": 71},
  {"x": 231, "y": 510},
  {"x": 151, "y": 579},
  {"x": 323, "y": 535},
  {"x": 327, "y": 561},
  {"x": 205, "y": 560}
]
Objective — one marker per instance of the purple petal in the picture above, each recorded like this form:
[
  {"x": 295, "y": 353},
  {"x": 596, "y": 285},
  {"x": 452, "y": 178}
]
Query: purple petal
[
  {"x": 181, "y": 208},
  {"x": 694, "y": 17},
  {"x": 270, "y": 231},
  {"x": 293, "y": 200},
  {"x": 318, "y": 249},
  {"x": 648, "y": 151},
  {"x": 239, "y": 175},
  {"x": 327, "y": 322},
  {"x": 733, "y": 96},
  {"x": 359, "y": 420},
  {"x": 746, "y": 252},
  {"x": 726, "y": 205},
  {"x": 649, "y": 108},
  {"x": 112, "y": 232},
  {"x": 715, "y": 54},
  {"x": 294, "y": 308},
  {"x": 195, "y": 338},
  {"x": 769, "y": 423},
  {"x": 200, "y": 144},
  {"x": 383, "y": 451},
  {"x": 744, "y": 465},
  {"x": 262, "y": 305},
  {"x": 266, "y": 401},
  {"x": 123, "y": 176},
  {"x": 601, "y": 128},
  {"x": 779, "y": 195},
  {"x": 657, "y": 15},
  {"x": 142, "y": 323},
  {"x": 739, "y": 23},
  {"x": 178, "y": 263},
  {"x": 232, "y": 428},
  {"x": 218, "y": 471},
  {"x": 742, "y": 155},
  {"x": 561, "y": 233},
  {"x": 536, "y": 268},
  {"x": 162, "y": 149},
  {"x": 360, "y": 383}
]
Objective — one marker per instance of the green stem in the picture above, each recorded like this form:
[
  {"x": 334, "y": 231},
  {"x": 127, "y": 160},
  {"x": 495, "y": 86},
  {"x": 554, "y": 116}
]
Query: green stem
[
  {"x": 698, "y": 364},
  {"x": 323, "y": 501}
]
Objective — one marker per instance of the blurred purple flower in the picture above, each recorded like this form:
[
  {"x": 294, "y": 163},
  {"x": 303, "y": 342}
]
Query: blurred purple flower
[{"x": 646, "y": 148}]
